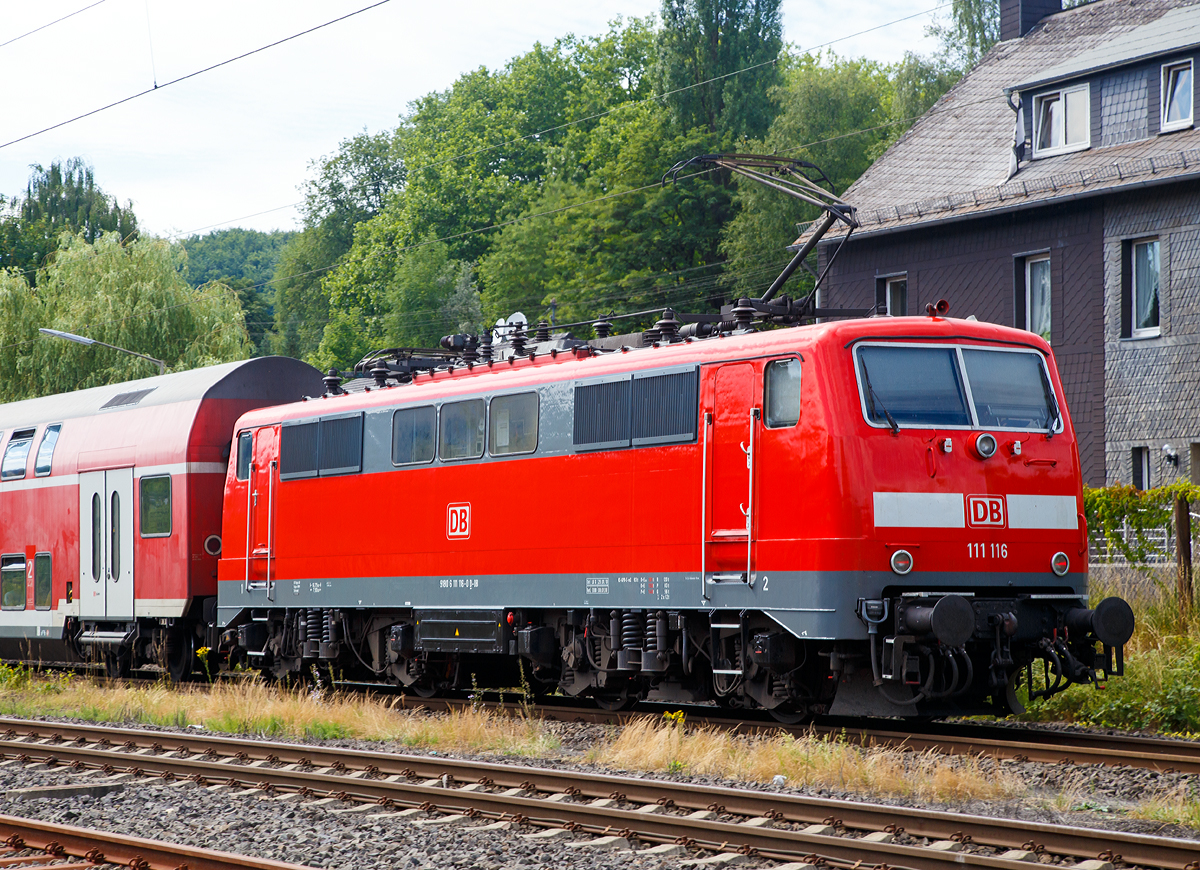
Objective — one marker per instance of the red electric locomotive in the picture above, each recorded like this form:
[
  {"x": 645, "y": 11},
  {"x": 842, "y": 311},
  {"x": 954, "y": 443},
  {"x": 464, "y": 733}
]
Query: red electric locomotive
[
  {"x": 110, "y": 500},
  {"x": 880, "y": 516}
]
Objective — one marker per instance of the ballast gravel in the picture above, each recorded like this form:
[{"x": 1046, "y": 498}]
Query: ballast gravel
[{"x": 317, "y": 836}]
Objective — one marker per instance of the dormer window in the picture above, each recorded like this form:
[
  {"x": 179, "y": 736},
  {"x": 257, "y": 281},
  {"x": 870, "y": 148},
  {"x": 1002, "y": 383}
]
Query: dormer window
[
  {"x": 1062, "y": 121},
  {"x": 1176, "y": 97}
]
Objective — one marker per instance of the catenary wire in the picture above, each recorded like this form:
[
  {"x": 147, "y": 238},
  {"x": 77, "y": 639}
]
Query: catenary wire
[
  {"x": 490, "y": 227},
  {"x": 191, "y": 75},
  {"x": 51, "y": 23},
  {"x": 620, "y": 108}
]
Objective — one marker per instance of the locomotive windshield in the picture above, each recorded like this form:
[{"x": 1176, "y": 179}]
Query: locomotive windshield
[{"x": 941, "y": 387}]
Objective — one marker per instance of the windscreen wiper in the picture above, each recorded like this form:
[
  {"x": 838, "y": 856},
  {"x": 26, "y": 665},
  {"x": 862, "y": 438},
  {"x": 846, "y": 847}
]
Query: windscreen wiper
[
  {"x": 1051, "y": 402},
  {"x": 872, "y": 397}
]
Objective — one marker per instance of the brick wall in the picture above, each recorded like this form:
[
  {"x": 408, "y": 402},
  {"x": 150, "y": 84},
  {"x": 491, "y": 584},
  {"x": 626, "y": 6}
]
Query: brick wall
[
  {"x": 1153, "y": 385},
  {"x": 974, "y": 265}
]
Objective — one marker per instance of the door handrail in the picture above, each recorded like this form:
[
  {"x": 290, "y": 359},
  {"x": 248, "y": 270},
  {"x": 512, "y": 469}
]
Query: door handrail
[{"x": 708, "y": 419}]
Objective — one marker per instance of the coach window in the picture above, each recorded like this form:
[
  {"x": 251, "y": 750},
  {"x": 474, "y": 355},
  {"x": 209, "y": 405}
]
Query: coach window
[
  {"x": 96, "y": 539},
  {"x": 245, "y": 450},
  {"x": 12, "y": 582},
  {"x": 156, "y": 506},
  {"x": 413, "y": 432},
  {"x": 16, "y": 455},
  {"x": 45, "y": 454},
  {"x": 514, "y": 424},
  {"x": 42, "y": 585},
  {"x": 781, "y": 393},
  {"x": 462, "y": 430}
]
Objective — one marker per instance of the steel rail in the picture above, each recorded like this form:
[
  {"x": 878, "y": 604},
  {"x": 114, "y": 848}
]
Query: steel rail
[
  {"x": 100, "y": 847},
  {"x": 1165, "y": 755},
  {"x": 383, "y": 777}
]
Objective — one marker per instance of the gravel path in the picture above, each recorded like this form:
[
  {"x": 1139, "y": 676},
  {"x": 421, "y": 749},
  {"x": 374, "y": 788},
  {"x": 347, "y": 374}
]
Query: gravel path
[{"x": 1084, "y": 795}]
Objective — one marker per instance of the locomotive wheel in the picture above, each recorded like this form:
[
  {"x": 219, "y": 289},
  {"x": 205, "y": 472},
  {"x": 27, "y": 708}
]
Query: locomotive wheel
[
  {"x": 117, "y": 664},
  {"x": 614, "y": 703},
  {"x": 786, "y": 715},
  {"x": 181, "y": 656},
  {"x": 423, "y": 689}
]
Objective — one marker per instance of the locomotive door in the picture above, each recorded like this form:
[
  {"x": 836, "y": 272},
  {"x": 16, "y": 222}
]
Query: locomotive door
[
  {"x": 106, "y": 544},
  {"x": 731, "y": 421},
  {"x": 262, "y": 491}
]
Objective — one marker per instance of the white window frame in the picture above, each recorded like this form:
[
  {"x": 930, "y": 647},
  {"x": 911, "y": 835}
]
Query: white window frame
[
  {"x": 887, "y": 293},
  {"x": 1150, "y": 331},
  {"x": 1029, "y": 261},
  {"x": 1184, "y": 123},
  {"x": 1065, "y": 147},
  {"x": 1141, "y": 462}
]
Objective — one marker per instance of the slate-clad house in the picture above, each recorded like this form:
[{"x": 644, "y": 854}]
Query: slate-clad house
[{"x": 1087, "y": 231}]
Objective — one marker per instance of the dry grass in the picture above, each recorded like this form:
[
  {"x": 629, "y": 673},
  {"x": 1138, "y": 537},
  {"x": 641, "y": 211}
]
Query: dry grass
[
  {"x": 1180, "y": 806},
  {"x": 823, "y": 762},
  {"x": 252, "y": 707}
]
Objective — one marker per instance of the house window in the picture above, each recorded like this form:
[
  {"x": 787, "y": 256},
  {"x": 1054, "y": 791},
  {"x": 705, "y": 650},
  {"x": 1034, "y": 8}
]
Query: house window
[
  {"x": 1176, "y": 97},
  {"x": 891, "y": 295},
  {"x": 1037, "y": 295},
  {"x": 1062, "y": 121},
  {"x": 1144, "y": 288},
  {"x": 1141, "y": 468}
]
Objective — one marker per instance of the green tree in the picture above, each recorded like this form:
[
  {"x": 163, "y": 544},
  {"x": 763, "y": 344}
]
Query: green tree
[
  {"x": 712, "y": 42},
  {"x": 132, "y": 295},
  {"x": 973, "y": 28},
  {"x": 349, "y": 187},
  {"x": 833, "y": 112},
  {"x": 62, "y": 198},
  {"x": 244, "y": 260}
]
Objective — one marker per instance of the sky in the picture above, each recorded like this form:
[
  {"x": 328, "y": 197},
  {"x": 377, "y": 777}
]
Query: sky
[{"x": 233, "y": 146}]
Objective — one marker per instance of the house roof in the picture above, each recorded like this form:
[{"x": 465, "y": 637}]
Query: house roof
[{"x": 954, "y": 161}]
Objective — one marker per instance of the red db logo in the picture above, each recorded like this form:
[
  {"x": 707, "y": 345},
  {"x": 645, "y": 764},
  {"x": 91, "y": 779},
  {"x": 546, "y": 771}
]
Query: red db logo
[
  {"x": 985, "y": 510},
  {"x": 458, "y": 520}
]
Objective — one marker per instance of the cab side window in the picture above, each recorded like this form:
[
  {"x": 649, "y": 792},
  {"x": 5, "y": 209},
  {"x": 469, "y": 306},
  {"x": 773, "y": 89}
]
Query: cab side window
[
  {"x": 781, "y": 393},
  {"x": 245, "y": 447}
]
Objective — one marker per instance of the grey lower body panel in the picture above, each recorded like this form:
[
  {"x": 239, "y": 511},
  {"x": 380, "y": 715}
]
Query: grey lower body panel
[{"x": 809, "y": 604}]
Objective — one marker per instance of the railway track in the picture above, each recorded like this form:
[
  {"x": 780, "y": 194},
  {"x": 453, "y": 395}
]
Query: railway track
[
  {"x": 580, "y": 804},
  {"x": 1164, "y": 755},
  {"x": 31, "y": 845}
]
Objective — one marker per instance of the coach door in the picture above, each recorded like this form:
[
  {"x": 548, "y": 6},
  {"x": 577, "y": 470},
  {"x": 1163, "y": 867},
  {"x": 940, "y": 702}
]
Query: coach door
[
  {"x": 262, "y": 494},
  {"x": 106, "y": 544},
  {"x": 731, "y": 419}
]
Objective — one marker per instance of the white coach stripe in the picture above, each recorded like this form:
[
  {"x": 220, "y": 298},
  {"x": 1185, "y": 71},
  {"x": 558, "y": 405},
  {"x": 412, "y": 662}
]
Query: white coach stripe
[
  {"x": 920, "y": 510},
  {"x": 1042, "y": 512}
]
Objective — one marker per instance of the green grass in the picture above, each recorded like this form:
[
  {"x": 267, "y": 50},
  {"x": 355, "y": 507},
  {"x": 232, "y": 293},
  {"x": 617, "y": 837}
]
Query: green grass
[{"x": 1160, "y": 690}]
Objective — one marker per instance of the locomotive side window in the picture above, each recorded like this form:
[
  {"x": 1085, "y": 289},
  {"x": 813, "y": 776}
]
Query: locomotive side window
[
  {"x": 298, "y": 450},
  {"x": 96, "y": 539},
  {"x": 42, "y": 586},
  {"x": 245, "y": 451},
  {"x": 781, "y": 393},
  {"x": 12, "y": 582},
  {"x": 664, "y": 407},
  {"x": 514, "y": 424},
  {"x": 340, "y": 444},
  {"x": 462, "y": 429},
  {"x": 16, "y": 454},
  {"x": 602, "y": 414},
  {"x": 155, "y": 511},
  {"x": 917, "y": 386},
  {"x": 1011, "y": 390},
  {"x": 413, "y": 432},
  {"x": 45, "y": 453}
]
